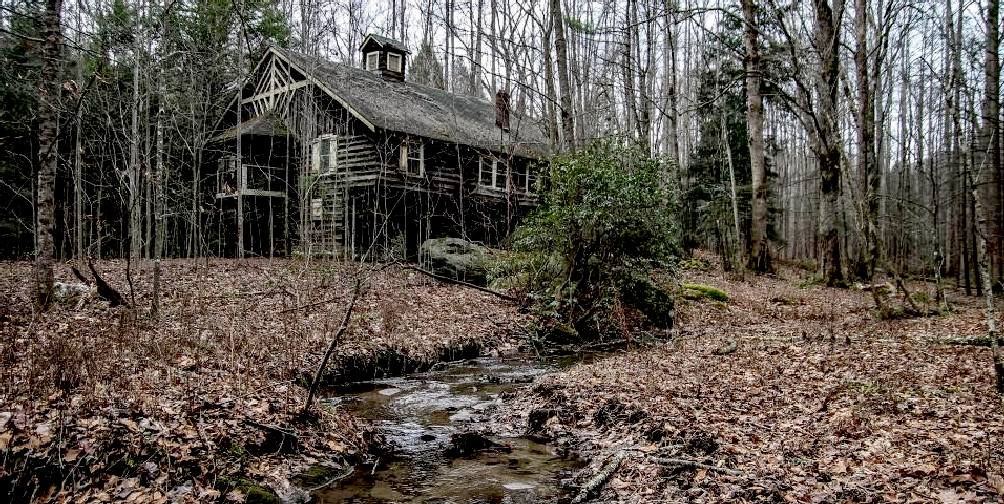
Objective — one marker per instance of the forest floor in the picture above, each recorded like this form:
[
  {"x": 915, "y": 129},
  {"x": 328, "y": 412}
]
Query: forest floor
[
  {"x": 101, "y": 404},
  {"x": 819, "y": 402}
]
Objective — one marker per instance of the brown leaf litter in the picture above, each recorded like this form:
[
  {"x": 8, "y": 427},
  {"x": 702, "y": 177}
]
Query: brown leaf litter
[
  {"x": 103, "y": 404},
  {"x": 820, "y": 402}
]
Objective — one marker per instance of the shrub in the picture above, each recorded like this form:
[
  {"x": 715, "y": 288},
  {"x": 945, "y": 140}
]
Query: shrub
[{"x": 586, "y": 252}]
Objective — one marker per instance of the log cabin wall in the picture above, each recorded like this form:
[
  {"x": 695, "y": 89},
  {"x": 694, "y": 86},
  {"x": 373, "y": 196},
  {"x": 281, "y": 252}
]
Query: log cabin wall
[{"x": 362, "y": 192}]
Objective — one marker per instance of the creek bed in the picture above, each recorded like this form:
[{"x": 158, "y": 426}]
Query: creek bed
[{"x": 418, "y": 414}]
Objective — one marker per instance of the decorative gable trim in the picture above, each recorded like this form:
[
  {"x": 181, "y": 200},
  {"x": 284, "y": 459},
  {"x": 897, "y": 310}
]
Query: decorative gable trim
[{"x": 320, "y": 85}]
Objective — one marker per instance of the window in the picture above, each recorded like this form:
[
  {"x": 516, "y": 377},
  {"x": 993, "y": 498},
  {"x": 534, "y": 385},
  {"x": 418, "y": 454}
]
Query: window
[
  {"x": 323, "y": 154},
  {"x": 493, "y": 173},
  {"x": 373, "y": 60},
  {"x": 486, "y": 171},
  {"x": 501, "y": 175},
  {"x": 393, "y": 62},
  {"x": 413, "y": 158},
  {"x": 316, "y": 209}
]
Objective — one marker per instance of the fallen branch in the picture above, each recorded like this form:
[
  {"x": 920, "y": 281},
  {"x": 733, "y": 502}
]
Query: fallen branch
[
  {"x": 340, "y": 477},
  {"x": 272, "y": 428},
  {"x": 693, "y": 464},
  {"x": 460, "y": 282},
  {"x": 331, "y": 347},
  {"x": 592, "y": 487},
  {"x": 105, "y": 291},
  {"x": 311, "y": 305}
]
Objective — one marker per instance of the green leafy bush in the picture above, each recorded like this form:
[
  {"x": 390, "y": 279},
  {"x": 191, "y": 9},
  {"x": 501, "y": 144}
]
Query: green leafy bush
[{"x": 585, "y": 254}]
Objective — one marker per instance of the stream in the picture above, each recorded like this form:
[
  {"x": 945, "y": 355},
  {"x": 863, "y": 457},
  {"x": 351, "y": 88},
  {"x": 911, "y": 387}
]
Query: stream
[{"x": 417, "y": 415}]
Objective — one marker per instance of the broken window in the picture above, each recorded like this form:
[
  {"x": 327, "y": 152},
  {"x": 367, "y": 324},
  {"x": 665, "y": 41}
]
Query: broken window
[
  {"x": 322, "y": 154},
  {"x": 501, "y": 175},
  {"x": 372, "y": 60},
  {"x": 393, "y": 62},
  {"x": 316, "y": 209},
  {"x": 413, "y": 157}
]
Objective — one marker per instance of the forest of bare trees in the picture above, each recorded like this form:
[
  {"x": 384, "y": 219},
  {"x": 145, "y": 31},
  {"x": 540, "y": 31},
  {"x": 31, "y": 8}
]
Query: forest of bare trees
[
  {"x": 608, "y": 250},
  {"x": 858, "y": 137}
]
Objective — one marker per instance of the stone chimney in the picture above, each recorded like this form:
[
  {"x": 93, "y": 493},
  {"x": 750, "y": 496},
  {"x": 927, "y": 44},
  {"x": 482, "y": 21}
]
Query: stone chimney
[{"x": 502, "y": 110}]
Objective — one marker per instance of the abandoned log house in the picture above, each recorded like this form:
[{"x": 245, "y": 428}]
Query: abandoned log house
[{"x": 326, "y": 158}]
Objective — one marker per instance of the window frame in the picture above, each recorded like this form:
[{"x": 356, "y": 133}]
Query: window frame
[
  {"x": 317, "y": 157},
  {"x": 407, "y": 155},
  {"x": 400, "y": 62},
  {"x": 493, "y": 183},
  {"x": 369, "y": 56},
  {"x": 316, "y": 209}
]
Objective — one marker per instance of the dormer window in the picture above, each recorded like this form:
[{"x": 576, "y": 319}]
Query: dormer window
[
  {"x": 384, "y": 56},
  {"x": 393, "y": 62},
  {"x": 373, "y": 60}
]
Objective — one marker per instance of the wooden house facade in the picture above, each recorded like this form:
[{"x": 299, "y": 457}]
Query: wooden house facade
[{"x": 326, "y": 158}]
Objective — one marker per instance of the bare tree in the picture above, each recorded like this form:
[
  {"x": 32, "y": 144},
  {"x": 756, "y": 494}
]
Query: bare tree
[
  {"x": 561, "y": 51},
  {"x": 759, "y": 259},
  {"x": 48, "y": 155}
]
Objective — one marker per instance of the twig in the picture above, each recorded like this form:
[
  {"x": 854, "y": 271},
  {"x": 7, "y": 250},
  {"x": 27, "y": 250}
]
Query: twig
[
  {"x": 331, "y": 347},
  {"x": 693, "y": 464},
  {"x": 311, "y": 305},
  {"x": 460, "y": 282},
  {"x": 596, "y": 482},
  {"x": 340, "y": 477},
  {"x": 274, "y": 428}
]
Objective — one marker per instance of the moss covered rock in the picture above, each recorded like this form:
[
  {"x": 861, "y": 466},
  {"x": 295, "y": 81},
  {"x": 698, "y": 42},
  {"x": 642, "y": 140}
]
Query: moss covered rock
[
  {"x": 256, "y": 494},
  {"x": 456, "y": 258},
  {"x": 701, "y": 291},
  {"x": 644, "y": 295},
  {"x": 316, "y": 476}
]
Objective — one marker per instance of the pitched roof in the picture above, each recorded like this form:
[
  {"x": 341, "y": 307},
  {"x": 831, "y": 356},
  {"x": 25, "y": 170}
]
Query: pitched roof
[
  {"x": 414, "y": 109},
  {"x": 263, "y": 125},
  {"x": 385, "y": 42}
]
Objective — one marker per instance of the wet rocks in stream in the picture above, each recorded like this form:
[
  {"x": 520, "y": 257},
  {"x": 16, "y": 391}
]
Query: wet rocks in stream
[{"x": 465, "y": 444}]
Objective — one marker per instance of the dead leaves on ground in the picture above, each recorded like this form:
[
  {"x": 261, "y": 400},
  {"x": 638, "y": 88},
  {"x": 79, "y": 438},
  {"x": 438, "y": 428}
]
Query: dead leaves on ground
[
  {"x": 102, "y": 404},
  {"x": 891, "y": 416}
]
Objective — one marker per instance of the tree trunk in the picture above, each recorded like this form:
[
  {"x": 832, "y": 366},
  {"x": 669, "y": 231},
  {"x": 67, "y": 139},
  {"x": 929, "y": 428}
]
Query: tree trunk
[
  {"x": 669, "y": 62},
  {"x": 867, "y": 166},
  {"x": 828, "y": 149},
  {"x": 983, "y": 261},
  {"x": 627, "y": 71},
  {"x": 48, "y": 118},
  {"x": 990, "y": 138},
  {"x": 759, "y": 259},
  {"x": 135, "y": 208},
  {"x": 561, "y": 51}
]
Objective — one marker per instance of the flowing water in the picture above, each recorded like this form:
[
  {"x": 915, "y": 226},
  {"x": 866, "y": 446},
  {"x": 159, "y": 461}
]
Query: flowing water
[{"x": 418, "y": 414}]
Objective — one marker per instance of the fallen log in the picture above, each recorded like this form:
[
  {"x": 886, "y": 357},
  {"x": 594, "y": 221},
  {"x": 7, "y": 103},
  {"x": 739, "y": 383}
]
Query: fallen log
[
  {"x": 105, "y": 290},
  {"x": 460, "y": 282},
  {"x": 693, "y": 464},
  {"x": 593, "y": 486}
]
